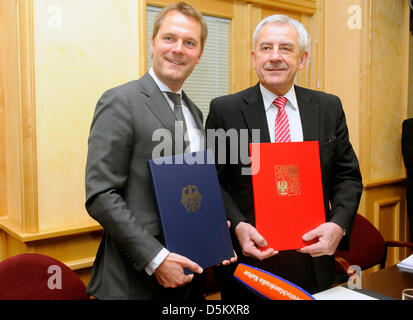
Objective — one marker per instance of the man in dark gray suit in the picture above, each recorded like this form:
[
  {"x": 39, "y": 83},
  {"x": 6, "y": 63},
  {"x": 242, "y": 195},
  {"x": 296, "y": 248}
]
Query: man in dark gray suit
[
  {"x": 131, "y": 262},
  {"x": 280, "y": 50}
]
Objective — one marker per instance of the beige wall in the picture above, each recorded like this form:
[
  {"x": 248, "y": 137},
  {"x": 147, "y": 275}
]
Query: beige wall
[
  {"x": 388, "y": 88},
  {"x": 342, "y": 60},
  {"x": 367, "y": 67},
  {"x": 81, "y": 49}
]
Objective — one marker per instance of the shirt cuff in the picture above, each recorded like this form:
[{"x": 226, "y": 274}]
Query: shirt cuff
[{"x": 156, "y": 261}]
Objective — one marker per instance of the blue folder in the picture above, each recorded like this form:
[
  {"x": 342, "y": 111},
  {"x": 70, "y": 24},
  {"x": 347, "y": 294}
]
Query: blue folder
[{"x": 191, "y": 208}]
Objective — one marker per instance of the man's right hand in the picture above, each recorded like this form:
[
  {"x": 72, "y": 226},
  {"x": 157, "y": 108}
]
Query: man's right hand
[
  {"x": 250, "y": 240},
  {"x": 170, "y": 273}
]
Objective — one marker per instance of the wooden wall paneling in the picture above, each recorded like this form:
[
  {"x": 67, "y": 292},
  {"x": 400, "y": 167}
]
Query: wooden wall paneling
[
  {"x": 314, "y": 23},
  {"x": 19, "y": 118},
  {"x": 76, "y": 250},
  {"x": 28, "y": 109},
  {"x": 365, "y": 101},
  {"x": 365, "y": 94},
  {"x": 388, "y": 87},
  {"x": 341, "y": 60},
  {"x": 310, "y": 76},
  {"x": 385, "y": 207},
  {"x": 84, "y": 274},
  {"x": 371, "y": 90},
  {"x": 12, "y": 115},
  {"x": 374, "y": 98},
  {"x": 143, "y": 64},
  {"x": 3, "y": 245},
  {"x": 240, "y": 47},
  {"x": 255, "y": 16},
  {"x": 387, "y": 218},
  {"x": 303, "y": 6},
  {"x": 218, "y": 8},
  {"x": 15, "y": 247},
  {"x": 270, "y": 10},
  {"x": 384, "y": 99}
]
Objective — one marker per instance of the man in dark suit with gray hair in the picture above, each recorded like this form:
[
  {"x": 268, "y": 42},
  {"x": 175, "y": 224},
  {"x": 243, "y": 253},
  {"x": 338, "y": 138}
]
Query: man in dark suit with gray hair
[
  {"x": 284, "y": 112},
  {"x": 132, "y": 262}
]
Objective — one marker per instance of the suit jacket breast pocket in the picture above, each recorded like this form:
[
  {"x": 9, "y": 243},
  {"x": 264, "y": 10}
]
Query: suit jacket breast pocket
[{"x": 328, "y": 146}]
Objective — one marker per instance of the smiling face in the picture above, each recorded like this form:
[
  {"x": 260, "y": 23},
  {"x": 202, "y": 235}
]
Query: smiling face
[
  {"x": 176, "y": 49},
  {"x": 277, "y": 57}
]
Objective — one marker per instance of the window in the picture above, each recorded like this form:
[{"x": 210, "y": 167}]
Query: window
[{"x": 211, "y": 76}]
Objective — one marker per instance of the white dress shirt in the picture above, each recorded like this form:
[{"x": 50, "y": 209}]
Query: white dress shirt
[
  {"x": 195, "y": 136},
  {"x": 293, "y": 113}
]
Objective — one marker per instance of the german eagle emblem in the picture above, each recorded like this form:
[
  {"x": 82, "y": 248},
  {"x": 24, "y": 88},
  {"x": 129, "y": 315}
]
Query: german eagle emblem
[{"x": 191, "y": 198}]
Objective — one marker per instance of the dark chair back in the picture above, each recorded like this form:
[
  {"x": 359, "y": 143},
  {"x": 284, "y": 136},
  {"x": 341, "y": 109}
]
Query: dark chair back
[{"x": 367, "y": 246}]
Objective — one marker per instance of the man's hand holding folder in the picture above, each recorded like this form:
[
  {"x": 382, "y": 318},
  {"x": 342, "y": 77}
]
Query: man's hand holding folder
[
  {"x": 327, "y": 235},
  {"x": 170, "y": 273},
  {"x": 250, "y": 241}
]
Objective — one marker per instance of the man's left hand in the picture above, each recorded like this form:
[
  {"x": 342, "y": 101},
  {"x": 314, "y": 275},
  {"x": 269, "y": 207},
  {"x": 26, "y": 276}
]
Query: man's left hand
[{"x": 328, "y": 235}]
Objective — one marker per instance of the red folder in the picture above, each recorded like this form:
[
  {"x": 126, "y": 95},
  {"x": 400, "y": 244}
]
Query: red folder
[{"x": 288, "y": 193}]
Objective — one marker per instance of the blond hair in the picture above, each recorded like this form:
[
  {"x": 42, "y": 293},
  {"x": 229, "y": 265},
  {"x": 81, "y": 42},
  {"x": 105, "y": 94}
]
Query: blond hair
[{"x": 186, "y": 10}]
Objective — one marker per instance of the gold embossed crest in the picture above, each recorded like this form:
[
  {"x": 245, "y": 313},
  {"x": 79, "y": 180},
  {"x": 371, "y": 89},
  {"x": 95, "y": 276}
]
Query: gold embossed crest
[
  {"x": 191, "y": 198},
  {"x": 287, "y": 180}
]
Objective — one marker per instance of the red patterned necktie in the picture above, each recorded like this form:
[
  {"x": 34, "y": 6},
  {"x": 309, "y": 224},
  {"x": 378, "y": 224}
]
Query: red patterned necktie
[{"x": 282, "y": 128}]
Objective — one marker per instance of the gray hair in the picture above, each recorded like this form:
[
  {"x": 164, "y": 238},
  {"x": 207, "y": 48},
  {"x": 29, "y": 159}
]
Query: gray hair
[{"x": 303, "y": 37}]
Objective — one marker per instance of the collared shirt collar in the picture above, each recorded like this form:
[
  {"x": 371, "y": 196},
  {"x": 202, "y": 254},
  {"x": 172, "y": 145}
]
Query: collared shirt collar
[
  {"x": 268, "y": 97},
  {"x": 163, "y": 87}
]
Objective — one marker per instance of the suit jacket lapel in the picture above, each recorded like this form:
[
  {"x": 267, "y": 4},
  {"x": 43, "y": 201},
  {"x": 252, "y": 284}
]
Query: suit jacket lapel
[
  {"x": 157, "y": 103},
  {"x": 254, "y": 113},
  {"x": 309, "y": 114}
]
